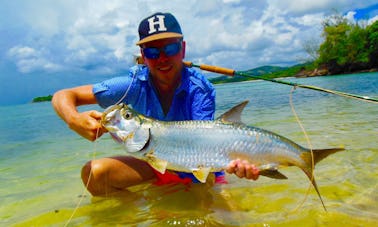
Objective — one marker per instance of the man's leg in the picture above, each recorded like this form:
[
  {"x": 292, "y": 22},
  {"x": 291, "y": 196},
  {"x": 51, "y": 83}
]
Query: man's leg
[{"x": 110, "y": 175}]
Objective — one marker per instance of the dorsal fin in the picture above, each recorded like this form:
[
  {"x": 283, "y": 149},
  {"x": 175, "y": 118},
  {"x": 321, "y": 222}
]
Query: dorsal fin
[{"x": 233, "y": 114}]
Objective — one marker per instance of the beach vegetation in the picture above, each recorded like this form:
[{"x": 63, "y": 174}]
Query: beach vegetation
[
  {"x": 348, "y": 47},
  {"x": 42, "y": 98}
]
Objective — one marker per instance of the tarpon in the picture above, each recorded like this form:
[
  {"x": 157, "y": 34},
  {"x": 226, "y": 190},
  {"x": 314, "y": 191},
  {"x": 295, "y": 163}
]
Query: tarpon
[{"x": 201, "y": 147}]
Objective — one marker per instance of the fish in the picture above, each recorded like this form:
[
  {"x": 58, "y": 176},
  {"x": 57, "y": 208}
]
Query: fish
[{"x": 205, "y": 146}]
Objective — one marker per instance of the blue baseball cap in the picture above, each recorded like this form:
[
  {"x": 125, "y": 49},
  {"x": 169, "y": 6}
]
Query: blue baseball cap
[{"x": 158, "y": 26}]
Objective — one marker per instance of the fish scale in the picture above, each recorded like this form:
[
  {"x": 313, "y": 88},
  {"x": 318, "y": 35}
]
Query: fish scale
[
  {"x": 209, "y": 140},
  {"x": 202, "y": 147}
]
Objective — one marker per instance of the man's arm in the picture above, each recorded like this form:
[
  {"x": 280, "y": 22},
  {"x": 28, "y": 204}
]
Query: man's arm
[{"x": 87, "y": 124}]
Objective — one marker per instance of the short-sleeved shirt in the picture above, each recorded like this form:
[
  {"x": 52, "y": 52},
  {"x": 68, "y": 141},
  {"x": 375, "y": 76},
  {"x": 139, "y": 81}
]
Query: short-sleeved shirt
[{"x": 194, "y": 99}]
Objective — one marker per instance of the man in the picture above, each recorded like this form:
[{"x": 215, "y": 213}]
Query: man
[{"x": 163, "y": 89}]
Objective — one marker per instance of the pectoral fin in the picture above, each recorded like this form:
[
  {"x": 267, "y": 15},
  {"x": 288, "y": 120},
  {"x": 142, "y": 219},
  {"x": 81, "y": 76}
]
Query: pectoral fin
[
  {"x": 201, "y": 174},
  {"x": 158, "y": 164}
]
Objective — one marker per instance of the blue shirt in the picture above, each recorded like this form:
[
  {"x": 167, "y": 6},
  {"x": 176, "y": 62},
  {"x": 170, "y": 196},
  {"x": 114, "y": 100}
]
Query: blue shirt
[{"x": 194, "y": 99}]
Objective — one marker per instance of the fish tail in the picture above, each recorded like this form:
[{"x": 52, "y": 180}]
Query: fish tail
[
  {"x": 320, "y": 154},
  {"x": 311, "y": 176},
  {"x": 311, "y": 158}
]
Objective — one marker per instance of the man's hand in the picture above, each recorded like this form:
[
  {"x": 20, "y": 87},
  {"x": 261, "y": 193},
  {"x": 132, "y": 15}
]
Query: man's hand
[
  {"x": 243, "y": 169},
  {"x": 87, "y": 124}
]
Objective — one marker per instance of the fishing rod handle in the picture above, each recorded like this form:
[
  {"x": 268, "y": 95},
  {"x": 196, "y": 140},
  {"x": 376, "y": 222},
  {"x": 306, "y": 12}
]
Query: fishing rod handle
[{"x": 211, "y": 68}]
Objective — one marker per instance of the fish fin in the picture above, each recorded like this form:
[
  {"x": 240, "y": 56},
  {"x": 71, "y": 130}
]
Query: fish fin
[
  {"x": 272, "y": 173},
  {"x": 201, "y": 173},
  {"x": 233, "y": 114},
  {"x": 317, "y": 155},
  {"x": 320, "y": 154},
  {"x": 158, "y": 164}
]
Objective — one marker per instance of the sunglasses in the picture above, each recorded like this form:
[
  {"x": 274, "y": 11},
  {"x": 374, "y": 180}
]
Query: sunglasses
[{"x": 169, "y": 50}]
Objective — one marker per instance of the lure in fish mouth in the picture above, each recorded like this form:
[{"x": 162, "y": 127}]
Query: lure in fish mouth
[{"x": 201, "y": 147}]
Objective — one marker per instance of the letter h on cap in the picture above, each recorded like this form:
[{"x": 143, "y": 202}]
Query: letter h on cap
[{"x": 156, "y": 20}]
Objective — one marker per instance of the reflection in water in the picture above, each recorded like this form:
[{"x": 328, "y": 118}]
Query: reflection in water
[{"x": 170, "y": 205}]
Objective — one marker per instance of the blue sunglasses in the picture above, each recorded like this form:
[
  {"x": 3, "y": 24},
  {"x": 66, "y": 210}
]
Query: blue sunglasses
[{"x": 169, "y": 50}]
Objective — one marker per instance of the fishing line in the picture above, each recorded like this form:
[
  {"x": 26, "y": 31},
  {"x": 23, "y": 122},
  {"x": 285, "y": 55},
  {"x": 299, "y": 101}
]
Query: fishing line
[
  {"x": 87, "y": 184},
  {"x": 309, "y": 144},
  {"x": 127, "y": 91},
  {"x": 94, "y": 156}
]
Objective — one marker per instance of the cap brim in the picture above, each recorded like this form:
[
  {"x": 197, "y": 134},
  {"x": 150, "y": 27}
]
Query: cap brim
[{"x": 164, "y": 35}]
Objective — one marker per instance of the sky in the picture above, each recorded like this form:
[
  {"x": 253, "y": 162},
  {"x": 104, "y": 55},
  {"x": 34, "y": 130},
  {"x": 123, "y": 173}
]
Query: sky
[{"x": 50, "y": 45}]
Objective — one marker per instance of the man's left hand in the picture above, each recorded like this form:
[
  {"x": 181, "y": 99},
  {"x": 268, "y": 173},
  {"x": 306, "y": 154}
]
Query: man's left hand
[{"x": 243, "y": 169}]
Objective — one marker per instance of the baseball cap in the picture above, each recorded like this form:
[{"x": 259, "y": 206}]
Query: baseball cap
[{"x": 158, "y": 26}]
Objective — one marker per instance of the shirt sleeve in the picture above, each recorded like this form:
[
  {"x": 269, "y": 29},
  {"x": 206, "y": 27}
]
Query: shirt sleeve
[
  {"x": 116, "y": 90},
  {"x": 120, "y": 89},
  {"x": 110, "y": 92}
]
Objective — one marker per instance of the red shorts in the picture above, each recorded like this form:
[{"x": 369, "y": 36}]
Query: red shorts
[{"x": 172, "y": 177}]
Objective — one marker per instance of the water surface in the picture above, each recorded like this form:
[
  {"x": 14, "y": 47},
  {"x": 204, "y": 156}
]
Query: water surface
[{"x": 40, "y": 162}]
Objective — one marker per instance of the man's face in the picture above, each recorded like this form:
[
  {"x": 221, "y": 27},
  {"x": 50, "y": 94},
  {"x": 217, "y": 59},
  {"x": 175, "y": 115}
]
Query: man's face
[{"x": 165, "y": 69}]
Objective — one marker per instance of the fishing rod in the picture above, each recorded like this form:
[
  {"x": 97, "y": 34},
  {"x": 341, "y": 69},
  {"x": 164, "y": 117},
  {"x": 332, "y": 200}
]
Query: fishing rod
[{"x": 232, "y": 72}]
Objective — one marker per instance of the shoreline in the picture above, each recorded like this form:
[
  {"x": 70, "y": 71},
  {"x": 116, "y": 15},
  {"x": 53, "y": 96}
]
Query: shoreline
[{"x": 323, "y": 71}]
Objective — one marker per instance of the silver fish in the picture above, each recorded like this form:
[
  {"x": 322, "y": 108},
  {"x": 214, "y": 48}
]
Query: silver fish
[{"x": 201, "y": 147}]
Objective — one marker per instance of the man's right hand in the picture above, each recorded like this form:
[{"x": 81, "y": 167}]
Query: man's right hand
[{"x": 88, "y": 125}]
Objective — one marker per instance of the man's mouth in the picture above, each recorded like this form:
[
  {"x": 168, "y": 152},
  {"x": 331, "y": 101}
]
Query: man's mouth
[{"x": 165, "y": 68}]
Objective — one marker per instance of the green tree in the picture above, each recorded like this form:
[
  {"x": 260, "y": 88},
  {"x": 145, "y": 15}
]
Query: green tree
[
  {"x": 334, "y": 47},
  {"x": 356, "y": 41},
  {"x": 372, "y": 39},
  {"x": 347, "y": 46}
]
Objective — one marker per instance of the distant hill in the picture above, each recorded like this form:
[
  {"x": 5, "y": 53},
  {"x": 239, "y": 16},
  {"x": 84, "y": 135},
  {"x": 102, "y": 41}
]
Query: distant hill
[
  {"x": 259, "y": 71},
  {"x": 262, "y": 70},
  {"x": 268, "y": 72}
]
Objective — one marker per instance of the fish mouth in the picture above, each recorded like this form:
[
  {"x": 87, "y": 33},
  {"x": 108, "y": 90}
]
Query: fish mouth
[{"x": 109, "y": 113}]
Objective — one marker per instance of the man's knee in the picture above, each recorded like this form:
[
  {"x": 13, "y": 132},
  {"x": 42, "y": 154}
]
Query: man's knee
[{"x": 91, "y": 174}]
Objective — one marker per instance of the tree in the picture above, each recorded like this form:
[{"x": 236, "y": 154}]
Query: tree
[
  {"x": 345, "y": 48},
  {"x": 333, "y": 48},
  {"x": 311, "y": 47},
  {"x": 356, "y": 45},
  {"x": 372, "y": 39}
]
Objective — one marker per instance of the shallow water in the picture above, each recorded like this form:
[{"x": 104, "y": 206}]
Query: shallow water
[{"x": 40, "y": 162}]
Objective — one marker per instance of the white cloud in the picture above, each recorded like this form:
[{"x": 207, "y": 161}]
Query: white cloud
[
  {"x": 99, "y": 36},
  {"x": 28, "y": 60},
  {"x": 372, "y": 20},
  {"x": 350, "y": 16},
  {"x": 22, "y": 52}
]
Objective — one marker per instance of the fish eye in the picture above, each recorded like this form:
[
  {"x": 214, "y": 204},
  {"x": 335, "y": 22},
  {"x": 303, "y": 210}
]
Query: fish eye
[{"x": 128, "y": 115}]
